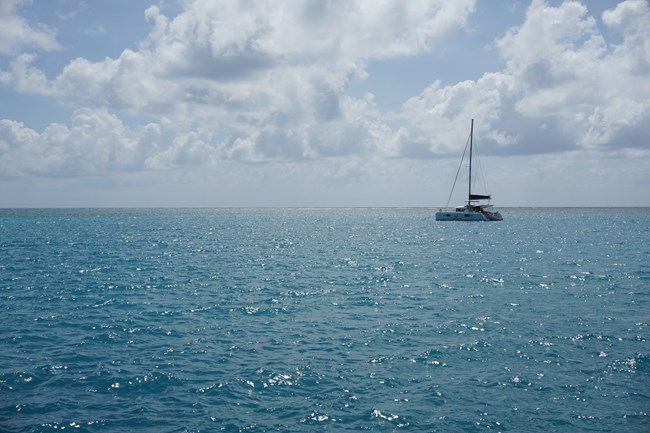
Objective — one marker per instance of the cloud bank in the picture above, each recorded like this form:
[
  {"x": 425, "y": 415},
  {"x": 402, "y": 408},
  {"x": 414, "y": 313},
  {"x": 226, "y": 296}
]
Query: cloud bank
[{"x": 260, "y": 82}]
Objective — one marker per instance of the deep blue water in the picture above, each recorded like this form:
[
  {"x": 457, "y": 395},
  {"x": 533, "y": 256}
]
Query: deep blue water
[{"x": 298, "y": 320}]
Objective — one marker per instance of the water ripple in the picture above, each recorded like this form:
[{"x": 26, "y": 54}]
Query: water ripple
[{"x": 323, "y": 320}]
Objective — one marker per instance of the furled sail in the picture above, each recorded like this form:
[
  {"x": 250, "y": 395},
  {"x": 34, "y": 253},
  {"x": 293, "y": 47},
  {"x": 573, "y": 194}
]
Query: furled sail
[{"x": 479, "y": 197}]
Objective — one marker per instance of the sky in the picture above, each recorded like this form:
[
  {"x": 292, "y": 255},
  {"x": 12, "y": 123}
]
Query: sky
[{"x": 322, "y": 103}]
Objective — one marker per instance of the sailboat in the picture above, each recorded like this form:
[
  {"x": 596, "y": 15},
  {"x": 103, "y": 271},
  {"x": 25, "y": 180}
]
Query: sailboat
[{"x": 474, "y": 209}]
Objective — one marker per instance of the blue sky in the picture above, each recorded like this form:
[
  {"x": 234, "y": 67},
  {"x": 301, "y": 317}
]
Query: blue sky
[{"x": 321, "y": 103}]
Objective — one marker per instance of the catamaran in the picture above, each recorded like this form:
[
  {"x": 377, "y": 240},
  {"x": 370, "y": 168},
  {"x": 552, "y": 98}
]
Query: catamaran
[{"x": 474, "y": 209}]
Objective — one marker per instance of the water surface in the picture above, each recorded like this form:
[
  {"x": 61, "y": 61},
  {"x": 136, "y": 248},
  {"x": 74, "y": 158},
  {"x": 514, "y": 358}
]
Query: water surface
[{"x": 293, "y": 320}]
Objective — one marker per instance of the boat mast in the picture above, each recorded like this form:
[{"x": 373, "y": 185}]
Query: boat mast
[{"x": 471, "y": 138}]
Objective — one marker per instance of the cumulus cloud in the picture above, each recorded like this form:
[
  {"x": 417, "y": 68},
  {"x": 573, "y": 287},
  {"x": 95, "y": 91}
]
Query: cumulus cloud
[
  {"x": 268, "y": 79},
  {"x": 436, "y": 121},
  {"x": 25, "y": 78},
  {"x": 96, "y": 142},
  {"x": 257, "y": 81},
  {"x": 563, "y": 87},
  {"x": 16, "y": 33},
  {"x": 566, "y": 73}
]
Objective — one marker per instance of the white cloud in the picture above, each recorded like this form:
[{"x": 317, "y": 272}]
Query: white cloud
[
  {"x": 254, "y": 82},
  {"x": 269, "y": 77},
  {"x": 563, "y": 88},
  {"x": 98, "y": 30},
  {"x": 437, "y": 120},
  {"x": 26, "y": 78},
  {"x": 190, "y": 148},
  {"x": 95, "y": 143},
  {"x": 16, "y": 32},
  {"x": 565, "y": 72}
]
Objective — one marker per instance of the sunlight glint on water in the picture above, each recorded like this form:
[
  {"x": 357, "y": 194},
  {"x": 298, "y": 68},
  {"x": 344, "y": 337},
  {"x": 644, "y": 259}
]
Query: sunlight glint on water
[{"x": 323, "y": 320}]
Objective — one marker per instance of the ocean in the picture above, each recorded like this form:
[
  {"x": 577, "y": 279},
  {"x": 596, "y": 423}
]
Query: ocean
[{"x": 324, "y": 320}]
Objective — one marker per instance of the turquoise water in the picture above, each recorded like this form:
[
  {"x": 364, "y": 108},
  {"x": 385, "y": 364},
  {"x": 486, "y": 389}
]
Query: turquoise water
[{"x": 298, "y": 320}]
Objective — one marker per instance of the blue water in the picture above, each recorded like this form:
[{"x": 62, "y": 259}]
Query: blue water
[{"x": 299, "y": 320}]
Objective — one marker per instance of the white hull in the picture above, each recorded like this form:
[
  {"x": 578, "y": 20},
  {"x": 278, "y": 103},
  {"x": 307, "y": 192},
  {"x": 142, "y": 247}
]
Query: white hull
[
  {"x": 468, "y": 216},
  {"x": 472, "y": 210}
]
